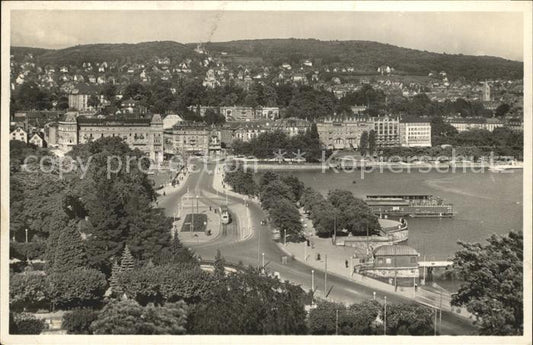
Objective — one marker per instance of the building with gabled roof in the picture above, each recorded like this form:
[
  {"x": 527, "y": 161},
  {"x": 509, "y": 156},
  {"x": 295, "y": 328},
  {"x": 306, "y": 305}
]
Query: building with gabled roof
[
  {"x": 145, "y": 134},
  {"x": 37, "y": 139},
  {"x": 18, "y": 133},
  {"x": 395, "y": 264}
]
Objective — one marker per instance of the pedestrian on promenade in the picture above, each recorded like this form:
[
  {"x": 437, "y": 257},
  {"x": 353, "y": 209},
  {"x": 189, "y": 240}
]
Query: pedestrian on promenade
[{"x": 346, "y": 263}]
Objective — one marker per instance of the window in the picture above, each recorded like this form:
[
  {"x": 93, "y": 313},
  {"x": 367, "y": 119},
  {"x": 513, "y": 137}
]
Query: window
[
  {"x": 413, "y": 260},
  {"x": 380, "y": 261},
  {"x": 388, "y": 260}
]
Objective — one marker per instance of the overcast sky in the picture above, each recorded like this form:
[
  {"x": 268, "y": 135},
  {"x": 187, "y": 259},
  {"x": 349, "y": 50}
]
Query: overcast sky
[{"x": 482, "y": 33}]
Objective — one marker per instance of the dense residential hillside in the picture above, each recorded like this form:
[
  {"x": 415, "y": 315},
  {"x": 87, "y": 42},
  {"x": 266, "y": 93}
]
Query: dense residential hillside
[
  {"x": 140, "y": 52},
  {"x": 367, "y": 56},
  {"x": 364, "y": 56}
]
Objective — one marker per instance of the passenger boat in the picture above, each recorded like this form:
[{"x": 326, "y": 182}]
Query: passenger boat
[{"x": 409, "y": 205}]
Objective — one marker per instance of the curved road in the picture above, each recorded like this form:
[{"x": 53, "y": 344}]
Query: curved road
[{"x": 249, "y": 251}]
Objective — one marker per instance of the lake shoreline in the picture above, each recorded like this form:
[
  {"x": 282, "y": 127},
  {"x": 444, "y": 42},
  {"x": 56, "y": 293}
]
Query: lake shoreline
[{"x": 255, "y": 166}]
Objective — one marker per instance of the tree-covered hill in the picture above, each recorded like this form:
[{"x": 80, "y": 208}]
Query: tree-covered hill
[
  {"x": 21, "y": 52},
  {"x": 134, "y": 53},
  {"x": 364, "y": 56},
  {"x": 367, "y": 56}
]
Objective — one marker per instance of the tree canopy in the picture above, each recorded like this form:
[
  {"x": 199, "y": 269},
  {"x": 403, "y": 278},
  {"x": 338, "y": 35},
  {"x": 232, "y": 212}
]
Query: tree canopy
[
  {"x": 492, "y": 288},
  {"x": 128, "y": 317},
  {"x": 249, "y": 303}
]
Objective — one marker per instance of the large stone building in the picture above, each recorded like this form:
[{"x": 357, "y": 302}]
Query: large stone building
[
  {"x": 237, "y": 113},
  {"x": 387, "y": 131},
  {"x": 243, "y": 130},
  {"x": 415, "y": 133},
  {"x": 240, "y": 113},
  {"x": 343, "y": 133},
  {"x": 188, "y": 138},
  {"x": 465, "y": 124},
  {"x": 291, "y": 126},
  {"x": 143, "y": 134},
  {"x": 67, "y": 132},
  {"x": 78, "y": 98},
  {"x": 247, "y": 130},
  {"x": 270, "y": 113}
]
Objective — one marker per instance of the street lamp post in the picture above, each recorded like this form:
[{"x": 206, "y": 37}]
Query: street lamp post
[
  {"x": 192, "y": 214},
  {"x": 325, "y": 274},
  {"x": 313, "y": 280},
  {"x": 385, "y": 318},
  {"x": 26, "y": 231},
  {"x": 435, "y": 322},
  {"x": 258, "y": 244},
  {"x": 263, "y": 260},
  {"x": 440, "y": 310},
  {"x": 337, "y": 322}
]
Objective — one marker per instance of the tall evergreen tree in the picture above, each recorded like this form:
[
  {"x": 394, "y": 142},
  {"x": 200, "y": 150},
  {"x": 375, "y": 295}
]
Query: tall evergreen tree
[
  {"x": 114, "y": 280},
  {"x": 119, "y": 206},
  {"x": 176, "y": 253},
  {"x": 372, "y": 142},
  {"x": 128, "y": 262},
  {"x": 219, "y": 264},
  {"x": 70, "y": 250},
  {"x": 363, "y": 143}
]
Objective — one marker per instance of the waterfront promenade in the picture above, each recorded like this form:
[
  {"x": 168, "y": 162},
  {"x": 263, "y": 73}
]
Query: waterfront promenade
[
  {"x": 339, "y": 260},
  {"x": 337, "y": 256},
  {"x": 259, "y": 243},
  {"x": 350, "y": 165}
]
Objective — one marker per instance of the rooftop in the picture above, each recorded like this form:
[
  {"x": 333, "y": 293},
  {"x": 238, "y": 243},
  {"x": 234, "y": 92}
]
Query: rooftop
[
  {"x": 395, "y": 249},
  {"x": 113, "y": 121},
  {"x": 415, "y": 120}
]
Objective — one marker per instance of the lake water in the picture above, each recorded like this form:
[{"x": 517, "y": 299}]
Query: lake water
[{"x": 485, "y": 203}]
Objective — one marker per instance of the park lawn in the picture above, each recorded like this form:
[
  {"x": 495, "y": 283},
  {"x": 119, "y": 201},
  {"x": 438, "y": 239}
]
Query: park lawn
[{"x": 200, "y": 222}]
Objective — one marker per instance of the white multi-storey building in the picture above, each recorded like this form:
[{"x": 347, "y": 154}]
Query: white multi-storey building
[
  {"x": 415, "y": 133},
  {"x": 387, "y": 131}
]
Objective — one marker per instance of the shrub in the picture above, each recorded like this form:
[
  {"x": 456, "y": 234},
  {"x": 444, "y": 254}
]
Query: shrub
[
  {"x": 80, "y": 287},
  {"x": 249, "y": 303},
  {"x": 28, "y": 291},
  {"x": 31, "y": 250},
  {"x": 24, "y": 323},
  {"x": 78, "y": 321},
  {"x": 128, "y": 317},
  {"x": 166, "y": 283}
]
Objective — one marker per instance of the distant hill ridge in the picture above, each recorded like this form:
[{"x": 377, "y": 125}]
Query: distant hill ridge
[{"x": 362, "y": 55}]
